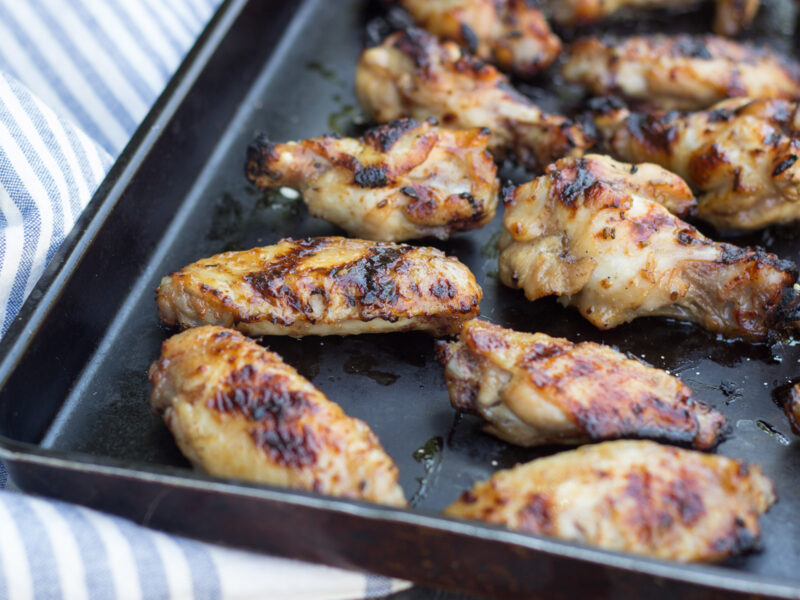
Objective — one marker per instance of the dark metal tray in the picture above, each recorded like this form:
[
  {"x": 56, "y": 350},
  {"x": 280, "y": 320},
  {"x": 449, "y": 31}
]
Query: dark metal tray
[{"x": 74, "y": 414}]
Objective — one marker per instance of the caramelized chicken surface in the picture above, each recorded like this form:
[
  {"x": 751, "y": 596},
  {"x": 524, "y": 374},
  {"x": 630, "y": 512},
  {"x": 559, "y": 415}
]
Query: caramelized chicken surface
[
  {"x": 400, "y": 181},
  {"x": 792, "y": 408},
  {"x": 740, "y": 155},
  {"x": 610, "y": 249},
  {"x": 680, "y": 72},
  {"x": 630, "y": 496},
  {"x": 512, "y": 34},
  {"x": 731, "y": 18},
  {"x": 412, "y": 75},
  {"x": 237, "y": 410},
  {"x": 323, "y": 286},
  {"x": 533, "y": 389}
]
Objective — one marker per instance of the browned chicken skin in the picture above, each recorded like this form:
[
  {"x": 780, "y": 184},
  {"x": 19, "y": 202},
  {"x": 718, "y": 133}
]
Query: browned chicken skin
[
  {"x": 731, "y": 18},
  {"x": 740, "y": 155},
  {"x": 412, "y": 75},
  {"x": 400, "y": 181},
  {"x": 237, "y": 410},
  {"x": 323, "y": 286},
  {"x": 680, "y": 72},
  {"x": 792, "y": 408},
  {"x": 631, "y": 496},
  {"x": 533, "y": 389},
  {"x": 513, "y": 34},
  {"x": 609, "y": 249}
]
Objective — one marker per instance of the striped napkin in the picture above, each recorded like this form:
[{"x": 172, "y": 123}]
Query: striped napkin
[{"x": 76, "y": 78}]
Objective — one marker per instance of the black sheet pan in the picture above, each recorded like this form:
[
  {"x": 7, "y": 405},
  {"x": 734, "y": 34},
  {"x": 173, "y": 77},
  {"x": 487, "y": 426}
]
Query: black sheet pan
[{"x": 74, "y": 414}]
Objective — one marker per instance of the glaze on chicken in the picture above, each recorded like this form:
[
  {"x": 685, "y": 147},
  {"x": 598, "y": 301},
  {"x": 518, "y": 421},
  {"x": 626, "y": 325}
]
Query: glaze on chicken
[
  {"x": 323, "y": 286},
  {"x": 680, "y": 72},
  {"x": 512, "y": 34},
  {"x": 740, "y": 155},
  {"x": 400, "y": 181},
  {"x": 533, "y": 389},
  {"x": 611, "y": 250},
  {"x": 630, "y": 496},
  {"x": 412, "y": 75},
  {"x": 238, "y": 411}
]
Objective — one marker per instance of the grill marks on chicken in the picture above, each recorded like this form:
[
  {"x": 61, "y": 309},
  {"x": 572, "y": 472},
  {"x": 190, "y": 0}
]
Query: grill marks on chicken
[
  {"x": 400, "y": 181},
  {"x": 512, "y": 34},
  {"x": 237, "y": 410},
  {"x": 680, "y": 72},
  {"x": 631, "y": 496},
  {"x": 607, "y": 248},
  {"x": 533, "y": 389},
  {"x": 323, "y": 286},
  {"x": 412, "y": 75},
  {"x": 740, "y": 155}
]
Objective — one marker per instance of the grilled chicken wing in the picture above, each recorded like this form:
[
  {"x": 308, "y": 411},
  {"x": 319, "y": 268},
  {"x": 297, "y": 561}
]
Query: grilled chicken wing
[
  {"x": 631, "y": 496},
  {"x": 792, "y": 408},
  {"x": 740, "y": 155},
  {"x": 607, "y": 248},
  {"x": 680, "y": 72},
  {"x": 400, "y": 181},
  {"x": 411, "y": 74},
  {"x": 513, "y": 34},
  {"x": 237, "y": 410},
  {"x": 731, "y": 18},
  {"x": 533, "y": 389},
  {"x": 323, "y": 286}
]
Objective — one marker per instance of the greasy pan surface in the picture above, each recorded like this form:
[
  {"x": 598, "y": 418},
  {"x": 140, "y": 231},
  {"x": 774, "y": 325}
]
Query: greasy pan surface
[{"x": 75, "y": 380}]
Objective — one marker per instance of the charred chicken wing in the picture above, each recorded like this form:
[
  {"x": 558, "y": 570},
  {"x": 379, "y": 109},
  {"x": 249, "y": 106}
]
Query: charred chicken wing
[
  {"x": 237, "y": 410},
  {"x": 533, "y": 389},
  {"x": 740, "y": 155},
  {"x": 323, "y": 286},
  {"x": 631, "y": 496},
  {"x": 412, "y": 75},
  {"x": 400, "y": 181},
  {"x": 615, "y": 253},
  {"x": 513, "y": 34},
  {"x": 680, "y": 72}
]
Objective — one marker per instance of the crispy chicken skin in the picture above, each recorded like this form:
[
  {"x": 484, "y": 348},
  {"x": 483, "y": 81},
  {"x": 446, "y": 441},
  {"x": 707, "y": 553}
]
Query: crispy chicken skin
[
  {"x": 792, "y": 408},
  {"x": 731, "y": 18},
  {"x": 740, "y": 155},
  {"x": 631, "y": 496},
  {"x": 323, "y": 286},
  {"x": 237, "y": 410},
  {"x": 512, "y": 34},
  {"x": 680, "y": 72},
  {"x": 400, "y": 181},
  {"x": 607, "y": 248},
  {"x": 412, "y": 75},
  {"x": 533, "y": 389}
]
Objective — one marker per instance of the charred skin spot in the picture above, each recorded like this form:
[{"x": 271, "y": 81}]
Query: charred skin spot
[
  {"x": 606, "y": 105},
  {"x": 536, "y": 515},
  {"x": 418, "y": 45},
  {"x": 784, "y": 165},
  {"x": 470, "y": 38},
  {"x": 644, "y": 227},
  {"x": 704, "y": 166},
  {"x": 582, "y": 181},
  {"x": 369, "y": 281},
  {"x": 260, "y": 153},
  {"x": 384, "y": 137},
  {"x": 444, "y": 289},
  {"x": 371, "y": 177},
  {"x": 692, "y": 47},
  {"x": 655, "y": 133}
]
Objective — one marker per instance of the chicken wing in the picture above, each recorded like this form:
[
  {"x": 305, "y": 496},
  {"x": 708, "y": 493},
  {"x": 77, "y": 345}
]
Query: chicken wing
[
  {"x": 411, "y": 74},
  {"x": 237, "y": 410},
  {"x": 680, "y": 72},
  {"x": 792, "y": 408},
  {"x": 731, "y": 18},
  {"x": 533, "y": 389},
  {"x": 609, "y": 249},
  {"x": 400, "y": 181},
  {"x": 740, "y": 155},
  {"x": 630, "y": 496},
  {"x": 323, "y": 286},
  {"x": 513, "y": 34}
]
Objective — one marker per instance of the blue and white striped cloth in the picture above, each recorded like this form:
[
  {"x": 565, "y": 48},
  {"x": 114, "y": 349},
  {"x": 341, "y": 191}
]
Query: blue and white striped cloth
[{"x": 76, "y": 78}]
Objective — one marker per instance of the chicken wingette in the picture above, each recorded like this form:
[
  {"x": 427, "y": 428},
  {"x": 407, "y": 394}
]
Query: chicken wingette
[
  {"x": 412, "y": 75},
  {"x": 237, "y": 410},
  {"x": 630, "y": 496},
  {"x": 323, "y": 286},
  {"x": 740, "y": 155},
  {"x": 512, "y": 34},
  {"x": 680, "y": 72},
  {"x": 400, "y": 181},
  {"x": 610, "y": 249},
  {"x": 533, "y": 389}
]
